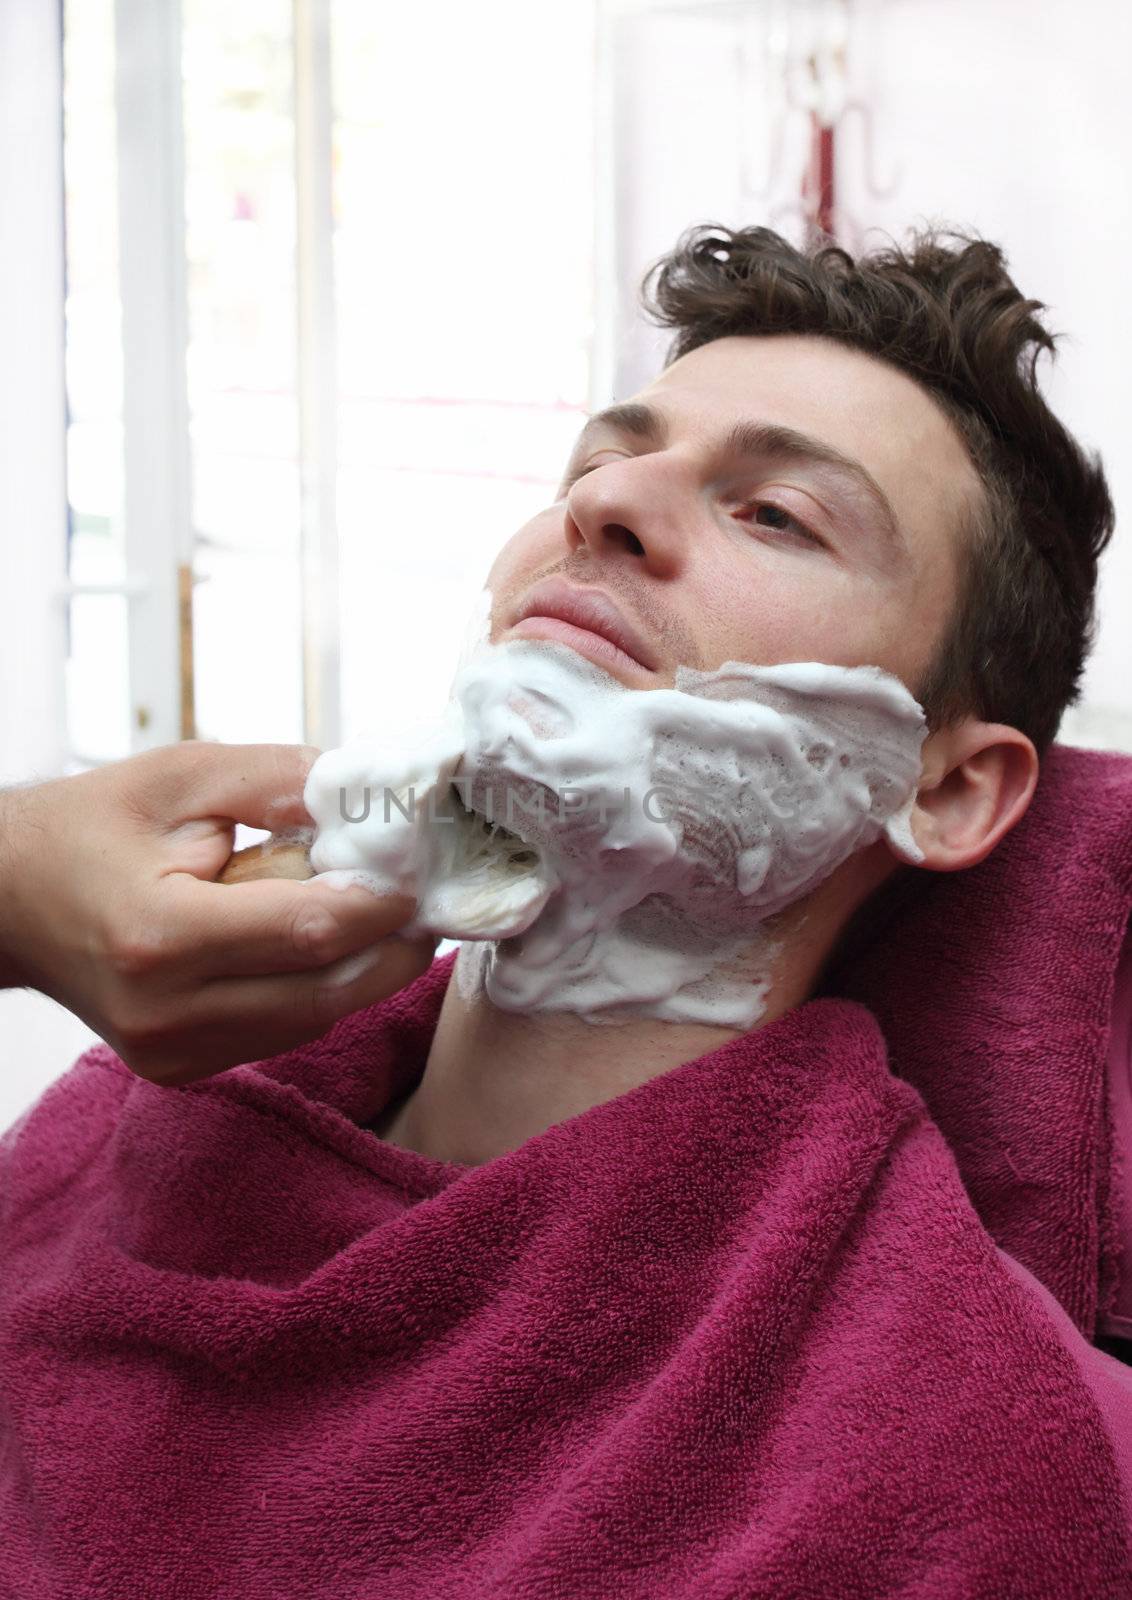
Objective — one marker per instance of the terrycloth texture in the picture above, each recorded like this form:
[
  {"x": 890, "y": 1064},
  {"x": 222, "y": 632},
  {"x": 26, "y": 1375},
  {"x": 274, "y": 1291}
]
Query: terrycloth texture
[
  {"x": 741, "y": 1332},
  {"x": 1118, "y": 1320},
  {"x": 1109, "y": 1382},
  {"x": 994, "y": 989},
  {"x": 738, "y": 1332}
]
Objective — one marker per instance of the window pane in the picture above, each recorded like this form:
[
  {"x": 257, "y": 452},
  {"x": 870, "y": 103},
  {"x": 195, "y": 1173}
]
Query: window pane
[
  {"x": 248, "y": 680},
  {"x": 98, "y": 701},
  {"x": 96, "y": 670},
  {"x": 240, "y": 243},
  {"x": 463, "y": 255},
  {"x": 93, "y": 309}
]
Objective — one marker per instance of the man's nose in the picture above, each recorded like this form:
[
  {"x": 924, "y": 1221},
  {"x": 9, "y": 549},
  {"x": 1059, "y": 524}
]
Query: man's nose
[{"x": 627, "y": 509}]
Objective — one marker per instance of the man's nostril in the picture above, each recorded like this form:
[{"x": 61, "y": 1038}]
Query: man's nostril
[{"x": 619, "y": 534}]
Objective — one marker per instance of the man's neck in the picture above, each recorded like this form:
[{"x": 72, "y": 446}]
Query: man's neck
[{"x": 495, "y": 1079}]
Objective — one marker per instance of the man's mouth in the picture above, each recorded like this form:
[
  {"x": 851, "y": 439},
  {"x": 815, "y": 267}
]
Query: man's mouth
[{"x": 588, "y": 621}]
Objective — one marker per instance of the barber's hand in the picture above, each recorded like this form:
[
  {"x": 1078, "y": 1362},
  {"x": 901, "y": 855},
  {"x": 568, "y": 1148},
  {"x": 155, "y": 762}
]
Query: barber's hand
[{"x": 108, "y": 903}]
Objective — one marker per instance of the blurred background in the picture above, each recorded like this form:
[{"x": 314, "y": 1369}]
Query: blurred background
[{"x": 302, "y": 303}]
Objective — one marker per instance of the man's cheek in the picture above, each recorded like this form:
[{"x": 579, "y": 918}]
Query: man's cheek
[{"x": 521, "y": 559}]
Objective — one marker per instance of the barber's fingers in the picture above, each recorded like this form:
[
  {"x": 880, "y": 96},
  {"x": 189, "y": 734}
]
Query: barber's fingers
[
  {"x": 260, "y": 785},
  {"x": 234, "y": 1020},
  {"x": 274, "y": 924}
]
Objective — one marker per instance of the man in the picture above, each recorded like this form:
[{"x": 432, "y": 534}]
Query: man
[{"x": 843, "y": 462}]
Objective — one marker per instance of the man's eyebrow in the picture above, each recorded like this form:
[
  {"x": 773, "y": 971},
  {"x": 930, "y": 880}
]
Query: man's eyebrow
[
  {"x": 633, "y": 417},
  {"x": 644, "y": 422}
]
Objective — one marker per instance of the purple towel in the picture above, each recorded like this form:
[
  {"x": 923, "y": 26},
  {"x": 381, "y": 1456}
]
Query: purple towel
[
  {"x": 742, "y": 1331},
  {"x": 994, "y": 989}
]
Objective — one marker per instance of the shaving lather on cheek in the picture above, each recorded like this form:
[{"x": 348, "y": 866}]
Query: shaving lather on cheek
[{"x": 618, "y": 852}]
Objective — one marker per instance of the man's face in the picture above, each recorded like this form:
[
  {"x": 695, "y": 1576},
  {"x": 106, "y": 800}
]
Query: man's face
[{"x": 764, "y": 500}]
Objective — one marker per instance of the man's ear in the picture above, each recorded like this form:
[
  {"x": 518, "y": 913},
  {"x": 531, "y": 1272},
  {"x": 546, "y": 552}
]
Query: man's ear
[{"x": 978, "y": 780}]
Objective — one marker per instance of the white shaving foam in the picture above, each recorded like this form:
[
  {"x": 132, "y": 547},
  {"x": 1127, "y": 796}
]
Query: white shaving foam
[{"x": 666, "y": 827}]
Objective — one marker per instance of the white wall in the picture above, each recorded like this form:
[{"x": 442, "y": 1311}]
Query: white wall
[
  {"x": 32, "y": 402},
  {"x": 35, "y": 1033},
  {"x": 1002, "y": 116},
  {"x": 1016, "y": 119}
]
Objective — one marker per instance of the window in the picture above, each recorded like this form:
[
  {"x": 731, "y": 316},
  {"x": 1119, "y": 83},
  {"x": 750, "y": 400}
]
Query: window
[{"x": 371, "y": 231}]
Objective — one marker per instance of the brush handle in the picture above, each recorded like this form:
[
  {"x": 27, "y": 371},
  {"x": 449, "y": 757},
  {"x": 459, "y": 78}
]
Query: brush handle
[{"x": 267, "y": 860}]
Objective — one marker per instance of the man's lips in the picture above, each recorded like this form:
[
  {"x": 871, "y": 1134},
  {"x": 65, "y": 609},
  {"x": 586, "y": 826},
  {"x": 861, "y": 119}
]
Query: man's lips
[{"x": 585, "y": 619}]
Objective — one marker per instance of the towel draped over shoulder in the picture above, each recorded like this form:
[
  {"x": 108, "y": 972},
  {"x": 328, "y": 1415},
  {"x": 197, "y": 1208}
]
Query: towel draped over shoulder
[{"x": 806, "y": 1316}]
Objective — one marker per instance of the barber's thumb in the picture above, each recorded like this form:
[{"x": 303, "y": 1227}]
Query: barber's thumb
[
  {"x": 366, "y": 913},
  {"x": 380, "y": 970}
]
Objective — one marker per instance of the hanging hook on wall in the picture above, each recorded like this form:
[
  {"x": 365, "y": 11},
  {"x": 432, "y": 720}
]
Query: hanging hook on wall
[
  {"x": 802, "y": 70},
  {"x": 877, "y": 189}
]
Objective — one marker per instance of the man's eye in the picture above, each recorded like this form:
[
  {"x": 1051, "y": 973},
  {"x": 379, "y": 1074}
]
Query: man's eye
[{"x": 769, "y": 515}]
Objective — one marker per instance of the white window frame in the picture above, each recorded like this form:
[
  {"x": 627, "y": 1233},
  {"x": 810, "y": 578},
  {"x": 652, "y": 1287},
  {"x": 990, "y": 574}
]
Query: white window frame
[
  {"x": 157, "y": 465},
  {"x": 33, "y": 403}
]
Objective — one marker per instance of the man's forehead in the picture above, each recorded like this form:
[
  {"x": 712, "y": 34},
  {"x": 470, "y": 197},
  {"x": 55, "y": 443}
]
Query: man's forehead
[
  {"x": 851, "y": 401},
  {"x": 818, "y": 379}
]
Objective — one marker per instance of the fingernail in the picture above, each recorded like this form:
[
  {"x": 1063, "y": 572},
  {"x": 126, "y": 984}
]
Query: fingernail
[
  {"x": 349, "y": 877},
  {"x": 350, "y": 967}
]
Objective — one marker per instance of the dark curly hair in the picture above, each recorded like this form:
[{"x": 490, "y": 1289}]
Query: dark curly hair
[{"x": 945, "y": 311}]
